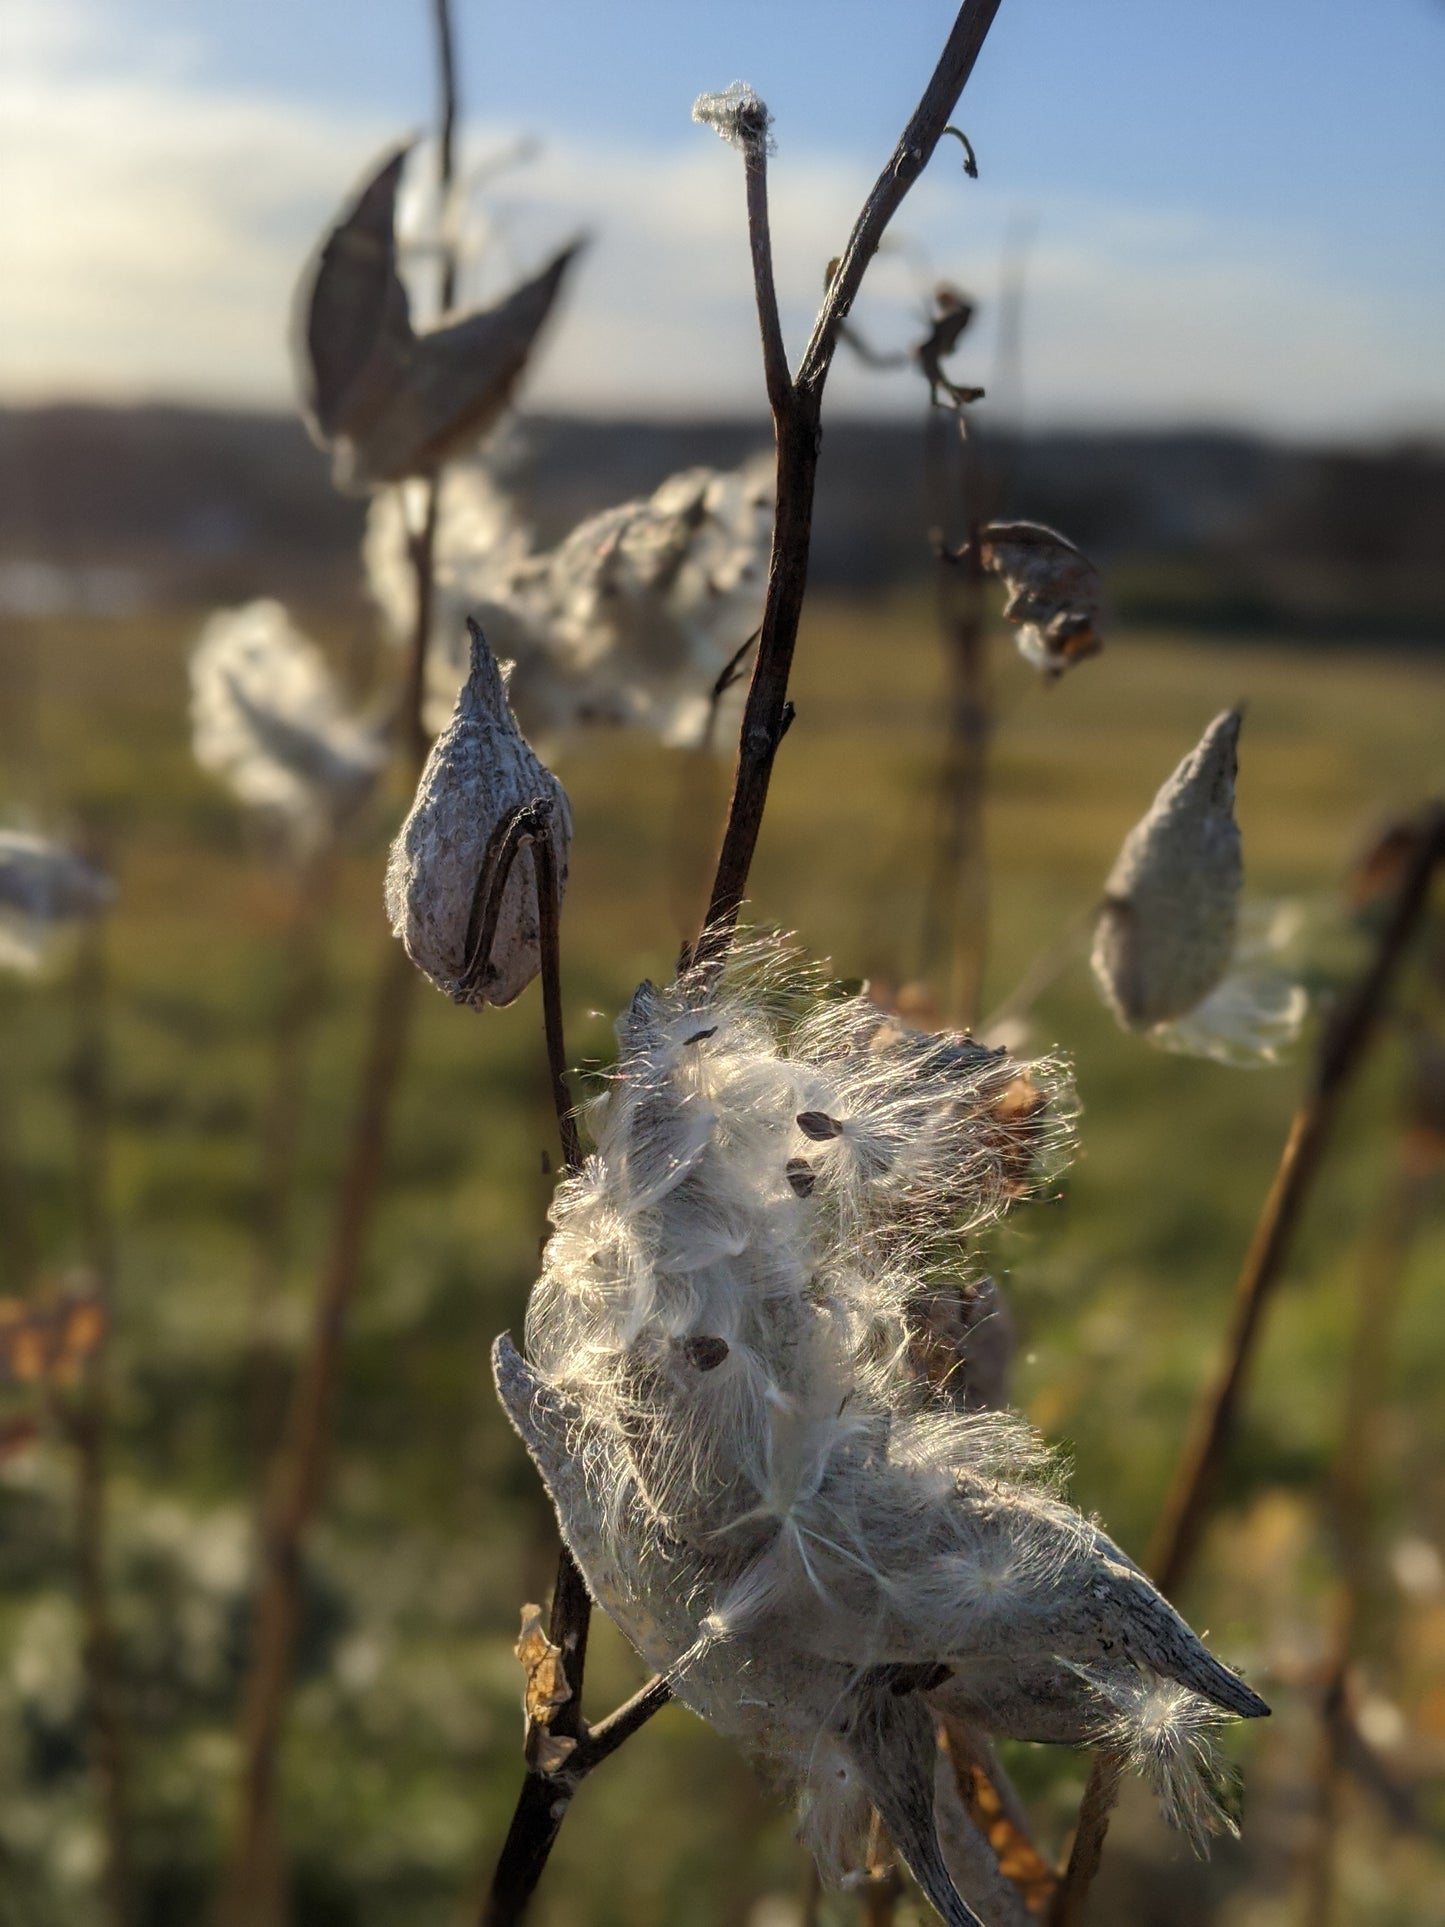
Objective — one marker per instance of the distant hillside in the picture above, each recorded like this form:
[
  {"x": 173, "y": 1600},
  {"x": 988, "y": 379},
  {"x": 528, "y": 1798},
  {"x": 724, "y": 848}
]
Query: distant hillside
[{"x": 107, "y": 505}]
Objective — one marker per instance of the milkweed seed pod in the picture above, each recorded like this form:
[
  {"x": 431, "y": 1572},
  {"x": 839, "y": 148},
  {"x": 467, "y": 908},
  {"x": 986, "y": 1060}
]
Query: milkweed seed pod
[
  {"x": 1166, "y": 932},
  {"x": 386, "y": 400},
  {"x": 821, "y": 1550},
  {"x": 628, "y": 622},
  {"x": 461, "y": 885},
  {"x": 267, "y": 717},
  {"x": 1174, "y": 954},
  {"x": 1054, "y": 593},
  {"x": 651, "y": 600},
  {"x": 43, "y": 886}
]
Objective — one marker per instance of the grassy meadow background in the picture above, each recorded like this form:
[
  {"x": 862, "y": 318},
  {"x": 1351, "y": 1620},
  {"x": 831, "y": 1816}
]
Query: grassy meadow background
[{"x": 403, "y": 1751}]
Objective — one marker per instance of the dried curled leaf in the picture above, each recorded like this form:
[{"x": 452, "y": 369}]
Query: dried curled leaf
[
  {"x": 48, "y": 1344},
  {"x": 1166, "y": 932},
  {"x": 973, "y": 1858},
  {"x": 461, "y": 886},
  {"x": 17, "y": 1434},
  {"x": 1054, "y": 593},
  {"x": 1016, "y": 1856},
  {"x": 387, "y": 401},
  {"x": 1382, "y": 864},
  {"x": 952, "y": 312},
  {"x": 545, "y": 1691}
]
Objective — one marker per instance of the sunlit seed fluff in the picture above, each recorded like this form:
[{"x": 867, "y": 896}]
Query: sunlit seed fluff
[
  {"x": 447, "y": 861},
  {"x": 1168, "y": 1735},
  {"x": 737, "y": 115},
  {"x": 627, "y": 622},
  {"x": 1166, "y": 932},
  {"x": 724, "y": 1397},
  {"x": 267, "y": 717},
  {"x": 1258, "y": 1008},
  {"x": 42, "y": 887}
]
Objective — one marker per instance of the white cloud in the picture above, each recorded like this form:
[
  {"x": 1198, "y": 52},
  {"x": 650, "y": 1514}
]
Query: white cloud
[{"x": 153, "y": 232}]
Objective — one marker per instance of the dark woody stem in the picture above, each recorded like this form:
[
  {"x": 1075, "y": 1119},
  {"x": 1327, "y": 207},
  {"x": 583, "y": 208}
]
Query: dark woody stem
[
  {"x": 253, "y": 1894},
  {"x": 796, "y": 404},
  {"x": 547, "y": 1790}
]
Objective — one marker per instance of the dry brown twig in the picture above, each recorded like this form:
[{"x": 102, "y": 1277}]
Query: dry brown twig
[
  {"x": 86, "y": 1422},
  {"x": 796, "y": 406},
  {"x": 559, "y": 1747},
  {"x": 1343, "y": 1041},
  {"x": 955, "y": 934},
  {"x": 1414, "y": 1178},
  {"x": 253, "y": 1890},
  {"x": 292, "y": 1037}
]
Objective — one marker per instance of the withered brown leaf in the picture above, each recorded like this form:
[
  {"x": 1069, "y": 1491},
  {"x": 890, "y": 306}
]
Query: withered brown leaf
[
  {"x": 545, "y": 1691},
  {"x": 48, "y": 1343},
  {"x": 1054, "y": 596},
  {"x": 952, "y": 312}
]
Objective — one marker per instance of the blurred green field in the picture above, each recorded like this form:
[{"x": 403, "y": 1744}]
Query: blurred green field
[{"x": 403, "y": 1757}]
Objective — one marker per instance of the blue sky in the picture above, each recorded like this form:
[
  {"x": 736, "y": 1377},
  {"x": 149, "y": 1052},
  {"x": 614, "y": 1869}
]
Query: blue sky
[{"x": 1227, "y": 214}]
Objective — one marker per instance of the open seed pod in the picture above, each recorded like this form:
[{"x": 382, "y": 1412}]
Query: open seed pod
[
  {"x": 462, "y": 883},
  {"x": 387, "y": 401},
  {"x": 822, "y": 1550}
]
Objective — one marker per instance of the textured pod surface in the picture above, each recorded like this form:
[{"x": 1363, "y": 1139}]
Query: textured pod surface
[
  {"x": 818, "y": 1545},
  {"x": 445, "y": 882},
  {"x": 1166, "y": 933},
  {"x": 352, "y": 327},
  {"x": 454, "y": 382}
]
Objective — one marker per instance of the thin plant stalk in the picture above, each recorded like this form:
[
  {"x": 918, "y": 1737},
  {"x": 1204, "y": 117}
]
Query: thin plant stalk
[
  {"x": 1412, "y": 1182},
  {"x": 292, "y": 1039},
  {"x": 87, "y": 1422},
  {"x": 1343, "y": 1041},
  {"x": 1091, "y": 1830},
  {"x": 956, "y": 903},
  {"x": 17, "y": 1241},
  {"x": 796, "y": 406},
  {"x": 299, "y": 1468},
  {"x": 253, "y": 1892},
  {"x": 549, "y": 1784}
]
